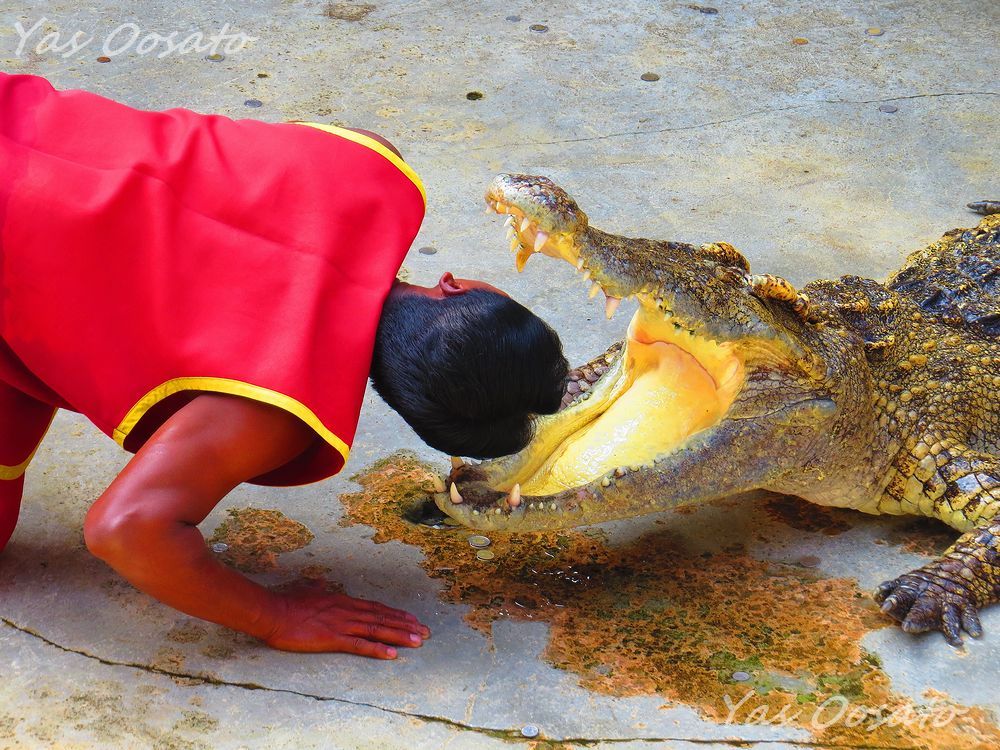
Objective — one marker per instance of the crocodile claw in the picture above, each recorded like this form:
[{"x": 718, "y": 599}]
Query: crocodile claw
[{"x": 926, "y": 600}]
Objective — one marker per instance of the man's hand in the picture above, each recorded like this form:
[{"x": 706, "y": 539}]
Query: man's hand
[
  {"x": 145, "y": 527},
  {"x": 314, "y": 620}
]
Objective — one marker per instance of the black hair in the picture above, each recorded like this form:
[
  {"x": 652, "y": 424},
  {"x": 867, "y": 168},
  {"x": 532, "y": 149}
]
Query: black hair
[{"x": 468, "y": 372}]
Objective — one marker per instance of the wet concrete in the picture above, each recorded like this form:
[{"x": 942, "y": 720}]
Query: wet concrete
[{"x": 779, "y": 148}]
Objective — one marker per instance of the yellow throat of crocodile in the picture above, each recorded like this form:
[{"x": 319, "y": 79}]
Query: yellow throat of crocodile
[{"x": 667, "y": 385}]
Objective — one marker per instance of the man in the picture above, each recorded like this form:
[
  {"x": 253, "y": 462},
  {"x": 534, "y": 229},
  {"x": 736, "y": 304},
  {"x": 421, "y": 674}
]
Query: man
[{"x": 210, "y": 293}]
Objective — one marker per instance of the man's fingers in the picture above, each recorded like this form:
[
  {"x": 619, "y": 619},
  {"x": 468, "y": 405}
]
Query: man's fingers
[
  {"x": 384, "y": 634},
  {"x": 366, "y": 605},
  {"x": 392, "y": 621},
  {"x": 370, "y": 606},
  {"x": 362, "y": 647}
]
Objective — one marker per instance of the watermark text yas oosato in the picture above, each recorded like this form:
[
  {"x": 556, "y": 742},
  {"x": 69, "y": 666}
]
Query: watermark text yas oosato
[
  {"x": 837, "y": 710},
  {"x": 44, "y": 38}
]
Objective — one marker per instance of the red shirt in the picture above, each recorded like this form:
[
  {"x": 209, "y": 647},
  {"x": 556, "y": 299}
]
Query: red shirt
[{"x": 149, "y": 256}]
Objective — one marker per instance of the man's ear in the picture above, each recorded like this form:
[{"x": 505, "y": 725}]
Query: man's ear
[{"x": 450, "y": 286}]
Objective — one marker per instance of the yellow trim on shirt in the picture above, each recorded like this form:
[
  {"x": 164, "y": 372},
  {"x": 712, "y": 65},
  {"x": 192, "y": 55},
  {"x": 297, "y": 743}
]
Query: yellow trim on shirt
[
  {"x": 10, "y": 473},
  {"x": 374, "y": 145},
  {"x": 234, "y": 388}
]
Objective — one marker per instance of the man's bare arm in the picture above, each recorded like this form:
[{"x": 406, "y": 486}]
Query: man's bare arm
[{"x": 145, "y": 527}]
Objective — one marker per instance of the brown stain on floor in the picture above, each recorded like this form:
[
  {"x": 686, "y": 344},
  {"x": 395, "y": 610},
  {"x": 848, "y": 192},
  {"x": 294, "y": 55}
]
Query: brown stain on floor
[
  {"x": 654, "y": 618},
  {"x": 352, "y": 12},
  {"x": 108, "y": 713},
  {"x": 255, "y": 537},
  {"x": 805, "y": 516},
  {"x": 190, "y": 631},
  {"x": 921, "y": 536}
]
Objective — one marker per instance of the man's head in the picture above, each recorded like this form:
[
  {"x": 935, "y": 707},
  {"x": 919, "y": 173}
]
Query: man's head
[{"x": 466, "y": 366}]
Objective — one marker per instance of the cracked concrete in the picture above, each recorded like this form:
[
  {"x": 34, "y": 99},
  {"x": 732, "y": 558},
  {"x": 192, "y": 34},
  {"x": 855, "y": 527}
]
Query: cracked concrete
[
  {"x": 189, "y": 679},
  {"x": 485, "y": 737},
  {"x": 122, "y": 707},
  {"x": 731, "y": 120},
  {"x": 780, "y": 149}
]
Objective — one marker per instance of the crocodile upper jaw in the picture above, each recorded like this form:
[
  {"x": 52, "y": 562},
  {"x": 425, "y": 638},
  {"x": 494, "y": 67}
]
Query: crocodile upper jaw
[{"x": 671, "y": 387}]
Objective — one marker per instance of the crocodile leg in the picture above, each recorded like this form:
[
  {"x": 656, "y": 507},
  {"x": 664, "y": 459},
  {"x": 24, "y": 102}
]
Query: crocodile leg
[{"x": 947, "y": 593}]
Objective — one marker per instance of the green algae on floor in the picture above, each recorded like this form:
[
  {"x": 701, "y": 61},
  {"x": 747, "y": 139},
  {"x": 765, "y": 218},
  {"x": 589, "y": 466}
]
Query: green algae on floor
[
  {"x": 255, "y": 537},
  {"x": 652, "y": 617}
]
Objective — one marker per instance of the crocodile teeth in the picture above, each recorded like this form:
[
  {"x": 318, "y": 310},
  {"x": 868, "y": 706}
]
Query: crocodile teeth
[
  {"x": 525, "y": 223},
  {"x": 509, "y": 222},
  {"x": 540, "y": 239},
  {"x": 438, "y": 484},
  {"x": 522, "y": 258},
  {"x": 579, "y": 264},
  {"x": 594, "y": 290},
  {"x": 515, "y": 496},
  {"x": 456, "y": 462},
  {"x": 501, "y": 208},
  {"x": 456, "y": 496},
  {"x": 610, "y": 306},
  {"x": 515, "y": 243}
]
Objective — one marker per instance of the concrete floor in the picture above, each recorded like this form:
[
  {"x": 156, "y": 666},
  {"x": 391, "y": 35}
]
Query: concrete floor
[{"x": 785, "y": 149}]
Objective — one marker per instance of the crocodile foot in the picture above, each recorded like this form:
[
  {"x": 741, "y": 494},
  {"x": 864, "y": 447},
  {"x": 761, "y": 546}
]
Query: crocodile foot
[{"x": 929, "y": 598}]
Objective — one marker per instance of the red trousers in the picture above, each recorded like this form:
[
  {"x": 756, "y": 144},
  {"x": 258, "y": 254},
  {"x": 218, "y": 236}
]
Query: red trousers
[{"x": 23, "y": 423}]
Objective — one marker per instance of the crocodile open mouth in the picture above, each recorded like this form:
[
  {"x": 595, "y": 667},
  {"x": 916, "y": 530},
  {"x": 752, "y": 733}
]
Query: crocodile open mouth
[
  {"x": 662, "y": 387},
  {"x": 640, "y": 401}
]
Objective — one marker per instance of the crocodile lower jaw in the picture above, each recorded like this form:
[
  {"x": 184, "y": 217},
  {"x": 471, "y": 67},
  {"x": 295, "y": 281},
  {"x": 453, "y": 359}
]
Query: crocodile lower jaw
[
  {"x": 658, "y": 394},
  {"x": 667, "y": 385}
]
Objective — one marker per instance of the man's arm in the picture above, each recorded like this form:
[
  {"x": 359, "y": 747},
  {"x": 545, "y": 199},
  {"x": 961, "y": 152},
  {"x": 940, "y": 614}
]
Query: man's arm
[{"x": 145, "y": 527}]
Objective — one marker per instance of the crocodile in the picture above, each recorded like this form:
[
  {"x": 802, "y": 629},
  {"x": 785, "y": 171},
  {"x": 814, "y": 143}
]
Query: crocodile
[{"x": 876, "y": 396}]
